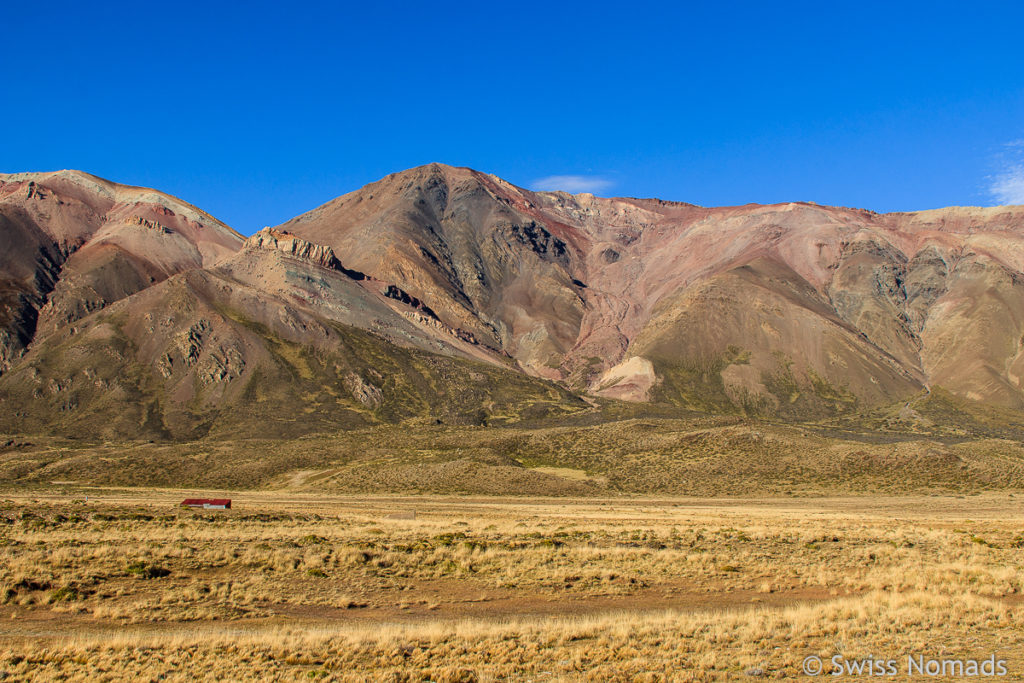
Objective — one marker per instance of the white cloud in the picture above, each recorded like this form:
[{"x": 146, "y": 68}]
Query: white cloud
[
  {"x": 1008, "y": 185},
  {"x": 572, "y": 183}
]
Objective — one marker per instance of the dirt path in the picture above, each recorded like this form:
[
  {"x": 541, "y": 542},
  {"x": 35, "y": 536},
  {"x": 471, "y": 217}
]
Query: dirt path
[{"x": 496, "y": 607}]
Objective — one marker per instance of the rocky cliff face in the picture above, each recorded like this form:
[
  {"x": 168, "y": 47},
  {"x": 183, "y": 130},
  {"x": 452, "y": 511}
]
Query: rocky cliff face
[{"x": 268, "y": 238}]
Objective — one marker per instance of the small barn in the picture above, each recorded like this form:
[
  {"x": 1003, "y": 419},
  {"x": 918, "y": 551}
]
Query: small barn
[{"x": 207, "y": 503}]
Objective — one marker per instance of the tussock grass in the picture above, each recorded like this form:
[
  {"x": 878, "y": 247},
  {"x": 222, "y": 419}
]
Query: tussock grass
[
  {"x": 611, "y": 647},
  {"x": 285, "y": 587}
]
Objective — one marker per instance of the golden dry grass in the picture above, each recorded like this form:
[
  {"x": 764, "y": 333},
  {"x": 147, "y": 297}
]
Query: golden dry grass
[{"x": 346, "y": 588}]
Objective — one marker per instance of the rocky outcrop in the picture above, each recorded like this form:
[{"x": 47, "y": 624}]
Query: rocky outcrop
[
  {"x": 398, "y": 294},
  {"x": 268, "y": 238},
  {"x": 362, "y": 391},
  {"x": 539, "y": 240},
  {"x": 149, "y": 224},
  {"x": 296, "y": 247}
]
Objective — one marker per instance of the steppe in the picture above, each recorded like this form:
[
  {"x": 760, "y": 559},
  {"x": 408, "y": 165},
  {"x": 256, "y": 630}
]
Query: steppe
[{"x": 106, "y": 583}]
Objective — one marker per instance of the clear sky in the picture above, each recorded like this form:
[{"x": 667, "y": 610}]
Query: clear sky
[{"x": 259, "y": 111}]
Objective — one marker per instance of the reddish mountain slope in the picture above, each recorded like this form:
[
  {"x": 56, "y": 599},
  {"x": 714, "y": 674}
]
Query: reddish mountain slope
[
  {"x": 386, "y": 303},
  {"x": 76, "y": 243},
  {"x": 789, "y": 307}
]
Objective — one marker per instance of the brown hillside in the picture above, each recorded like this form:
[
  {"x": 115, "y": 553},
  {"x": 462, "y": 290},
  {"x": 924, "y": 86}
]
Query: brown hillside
[{"x": 127, "y": 308}]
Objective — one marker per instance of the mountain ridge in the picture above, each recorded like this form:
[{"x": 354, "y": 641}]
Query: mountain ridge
[{"x": 794, "y": 310}]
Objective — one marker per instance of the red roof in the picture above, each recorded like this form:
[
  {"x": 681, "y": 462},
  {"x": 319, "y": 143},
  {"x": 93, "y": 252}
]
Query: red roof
[{"x": 206, "y": 501}]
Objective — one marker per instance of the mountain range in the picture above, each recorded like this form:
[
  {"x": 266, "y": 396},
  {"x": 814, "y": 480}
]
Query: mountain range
[{"x": 444, "y": 294}]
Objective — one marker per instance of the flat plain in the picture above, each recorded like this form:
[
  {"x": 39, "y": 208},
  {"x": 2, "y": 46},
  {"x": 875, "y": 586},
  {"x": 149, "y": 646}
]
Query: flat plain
[{"x": 105, "y": 583}]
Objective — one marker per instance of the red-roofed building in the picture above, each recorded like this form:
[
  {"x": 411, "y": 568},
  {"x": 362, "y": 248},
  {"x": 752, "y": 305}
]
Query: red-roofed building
[{"x": 207, "y": 503}]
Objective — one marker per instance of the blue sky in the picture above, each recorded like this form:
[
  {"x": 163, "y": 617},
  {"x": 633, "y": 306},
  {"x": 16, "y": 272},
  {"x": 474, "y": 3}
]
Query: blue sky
[{"x": 259, "y": 111}]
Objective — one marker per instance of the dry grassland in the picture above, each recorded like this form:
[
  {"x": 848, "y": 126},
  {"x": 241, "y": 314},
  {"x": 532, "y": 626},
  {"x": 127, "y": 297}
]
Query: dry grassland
[
  {"x": 706, "y": 456},
  {"x": 301, "y": 587}
]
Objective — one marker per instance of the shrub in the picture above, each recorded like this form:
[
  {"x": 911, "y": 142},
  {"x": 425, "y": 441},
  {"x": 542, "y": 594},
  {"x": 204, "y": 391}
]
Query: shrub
[
  {"x": 981, "y": 541},
  {"x": 144, "y": 570},
  {"x": 65, "y": 594}
]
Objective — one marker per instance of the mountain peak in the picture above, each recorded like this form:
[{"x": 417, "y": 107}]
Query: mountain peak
[{"x": 790, "y": 310}]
